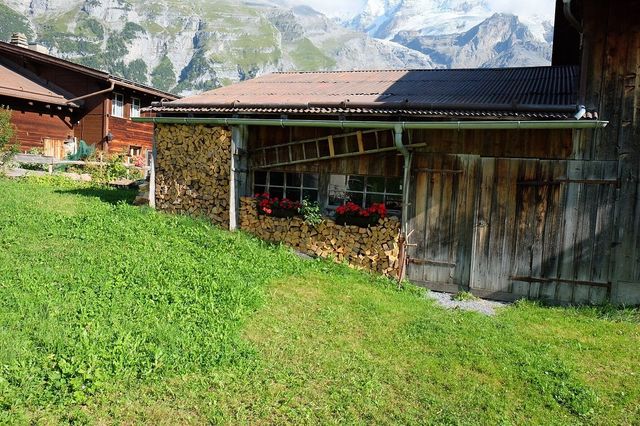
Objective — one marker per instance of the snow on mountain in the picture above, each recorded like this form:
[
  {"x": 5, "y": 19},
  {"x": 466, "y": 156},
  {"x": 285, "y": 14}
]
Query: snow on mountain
[
  {"x": 386, "y": 18},
  {"x": 499, "y": 41}
]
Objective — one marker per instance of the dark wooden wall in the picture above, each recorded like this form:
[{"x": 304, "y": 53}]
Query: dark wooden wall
[
  {"x": 32, "y": 124},
  {"x": 513, "y": 227},
  {"x": 92, "y": 125},
  {"x": 127, "y": 133},
  {"x": 551, "y": 144},
  {"x": 611, "y": 85}
]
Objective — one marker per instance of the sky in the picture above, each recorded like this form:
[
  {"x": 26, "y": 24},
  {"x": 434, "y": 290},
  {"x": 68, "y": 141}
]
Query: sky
[{"x": 348, "y": 8}]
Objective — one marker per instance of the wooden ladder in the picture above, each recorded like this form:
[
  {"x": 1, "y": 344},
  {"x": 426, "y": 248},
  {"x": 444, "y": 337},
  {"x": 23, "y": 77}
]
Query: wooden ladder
[{"x": 323, "y": 148}]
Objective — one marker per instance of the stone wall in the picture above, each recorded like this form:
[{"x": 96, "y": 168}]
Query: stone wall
[
  {"x": 193, "y": 168},
  {"x": 374, "y": 248}
]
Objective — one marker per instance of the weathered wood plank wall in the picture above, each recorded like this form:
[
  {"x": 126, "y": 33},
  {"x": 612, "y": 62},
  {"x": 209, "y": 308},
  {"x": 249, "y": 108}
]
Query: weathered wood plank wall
[
  {"x": 611, "y": 83},
  {"x": 510, "y": 228}
]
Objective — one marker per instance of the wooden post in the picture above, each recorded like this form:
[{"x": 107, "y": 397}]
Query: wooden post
[
  {"x": 152, "y": 172},
  {"x": 239, "y": 174}
]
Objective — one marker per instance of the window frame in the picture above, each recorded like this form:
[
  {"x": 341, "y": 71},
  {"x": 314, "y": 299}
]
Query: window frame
[
  {"x": 135, "y": 112},
  {"x": 114, "y": 105},
  {"x": 385, "y": 194},
  {"x": 301, "y": 188}
]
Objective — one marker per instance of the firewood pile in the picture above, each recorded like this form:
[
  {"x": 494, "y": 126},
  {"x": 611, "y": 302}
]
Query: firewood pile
[
  {"x": 374, "y": 248},
  {"x": 193, "y": 169}
]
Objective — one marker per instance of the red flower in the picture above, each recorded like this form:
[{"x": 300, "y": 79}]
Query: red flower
[
  {"x": 266, "y": 204},
  {"x": 352, "y": 209}
]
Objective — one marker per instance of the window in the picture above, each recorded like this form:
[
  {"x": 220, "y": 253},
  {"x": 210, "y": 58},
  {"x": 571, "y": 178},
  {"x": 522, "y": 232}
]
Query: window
[
  {"x": 294, "y": 186},
  {"x": 135, "y": 151},
  {"x": 365, "y": 191},
  {"x": 117, "y": 105},
  {"x": 135, "y": 107}
]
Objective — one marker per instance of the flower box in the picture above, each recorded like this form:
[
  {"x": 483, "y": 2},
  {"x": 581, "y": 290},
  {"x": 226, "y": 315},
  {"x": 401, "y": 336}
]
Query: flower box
[
  {"x": 275, "y": 207},
  {"x": 353, "y": 214},
  {"x": 283, "y": 213},
  {"x": 360, "y": 221}
]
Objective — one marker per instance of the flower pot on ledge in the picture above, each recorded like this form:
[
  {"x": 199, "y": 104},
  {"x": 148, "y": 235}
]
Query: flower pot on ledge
[
  {"x": 283, "y": 213},
  {"x": 361, "y": 221}
]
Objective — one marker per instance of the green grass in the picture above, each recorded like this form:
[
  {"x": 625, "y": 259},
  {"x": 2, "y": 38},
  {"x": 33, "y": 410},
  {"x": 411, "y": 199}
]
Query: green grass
[
  {"x": 116, "y": 314},
  {"x": 463, "y": 296}
]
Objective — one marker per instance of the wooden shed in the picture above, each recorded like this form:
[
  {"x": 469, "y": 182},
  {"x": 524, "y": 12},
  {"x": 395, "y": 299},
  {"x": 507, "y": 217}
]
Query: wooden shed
[{"x": 510, "y": 183}]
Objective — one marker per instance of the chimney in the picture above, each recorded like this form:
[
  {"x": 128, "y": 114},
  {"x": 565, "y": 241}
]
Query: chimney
[
  {"x": 38, "y": 48},
  {"x": 19, "y": 39}
]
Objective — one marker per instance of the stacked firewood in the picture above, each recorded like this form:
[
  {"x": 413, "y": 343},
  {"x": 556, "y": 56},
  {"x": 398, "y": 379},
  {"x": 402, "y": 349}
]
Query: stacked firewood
[
  {"x": 374, "y": 248},
  {"x": 193, "y": 168}
]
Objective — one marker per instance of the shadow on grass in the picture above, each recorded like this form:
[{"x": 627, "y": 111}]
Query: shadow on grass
[{"x": 105, "y": 194}]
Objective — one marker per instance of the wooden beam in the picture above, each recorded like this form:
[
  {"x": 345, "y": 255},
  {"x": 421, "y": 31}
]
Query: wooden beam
[
  {"x": 560, "y": 280},
  {"x": 332, "y": 151},
  {"x": 360, "y": 142}
]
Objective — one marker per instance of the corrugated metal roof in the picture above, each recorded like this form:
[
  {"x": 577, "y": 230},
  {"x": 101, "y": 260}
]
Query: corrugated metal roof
[
  {"x": 24, "y": 85},
  {"x": 547, "y": 92}
]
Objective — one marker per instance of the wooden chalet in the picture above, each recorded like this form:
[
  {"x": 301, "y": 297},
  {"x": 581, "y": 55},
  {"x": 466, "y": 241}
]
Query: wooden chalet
[
  {"x": 509, "y": 183},
  {"x": 53, "y": 99}
]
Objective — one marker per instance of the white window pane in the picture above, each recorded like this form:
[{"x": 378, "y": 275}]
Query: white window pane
[
  {"x": 117, "y": 105},
  {"x": 135, "y": 107}
]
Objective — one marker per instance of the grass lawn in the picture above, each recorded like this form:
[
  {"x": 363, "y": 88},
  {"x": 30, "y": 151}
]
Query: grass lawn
[{"x": 113, "y": 314}]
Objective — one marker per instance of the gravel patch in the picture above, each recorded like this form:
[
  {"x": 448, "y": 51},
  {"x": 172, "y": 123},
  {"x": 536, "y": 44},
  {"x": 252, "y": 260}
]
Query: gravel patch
[{"x": 486, "y": 307}]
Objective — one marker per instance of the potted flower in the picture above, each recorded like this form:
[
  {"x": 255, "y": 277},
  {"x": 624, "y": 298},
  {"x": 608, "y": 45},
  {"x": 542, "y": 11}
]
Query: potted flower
[
  {"x": 353, "y": 214},
  {"x": 276, "y": 207}
]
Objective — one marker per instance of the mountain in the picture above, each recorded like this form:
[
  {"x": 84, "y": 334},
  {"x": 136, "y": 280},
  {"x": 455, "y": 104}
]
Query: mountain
[
  {"x": 499, "y": 41},
  {"x": 458, "y": 33},
  {"x": 193, "y": 46},
  {"x": 188, "y": 47},
  {"x": 385, "y": 19}
]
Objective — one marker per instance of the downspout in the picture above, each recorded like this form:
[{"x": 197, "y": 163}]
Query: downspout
[
  {"x": 571, "y": 18},
  {"x": 90, "y": 95},
  {"x": 402, "y": 256}
]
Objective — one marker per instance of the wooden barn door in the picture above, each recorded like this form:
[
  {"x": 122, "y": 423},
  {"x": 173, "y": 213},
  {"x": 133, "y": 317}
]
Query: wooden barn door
[
  {"x": 544, "y": 229},
  {"x": 441, "y": 221}
]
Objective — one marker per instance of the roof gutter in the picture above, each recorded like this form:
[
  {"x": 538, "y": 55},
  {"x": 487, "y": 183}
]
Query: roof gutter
[
  {"x": 391, "y": 125},
  {"x": 513, "y": 107},
  {"x": 90, "y": 95}
]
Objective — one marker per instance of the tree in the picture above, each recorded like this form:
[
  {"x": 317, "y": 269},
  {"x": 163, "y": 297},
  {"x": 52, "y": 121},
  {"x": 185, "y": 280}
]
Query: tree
[{"x": 7, "y": 131}]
